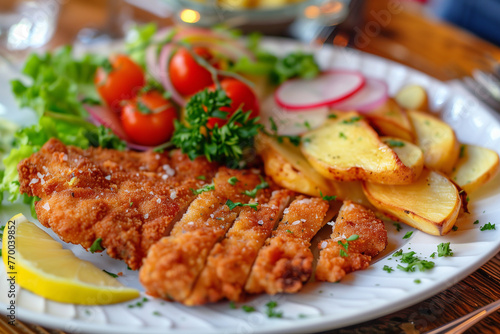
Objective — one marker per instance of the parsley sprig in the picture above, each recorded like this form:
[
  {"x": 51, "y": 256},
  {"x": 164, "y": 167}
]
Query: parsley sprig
[
  {"x": 203, "y": 189},
  {"x": 96, "y": 246},
  {"x": 413, "y": 262},
  {"x": 444, "y": 249},
  {"x": 231, "y": 205},
  {"x": 223, "y": 144},
  {"x": 488, "y": 227},
  {"x": 343, "y": 252},
  {"x": 262, "y": 185}
]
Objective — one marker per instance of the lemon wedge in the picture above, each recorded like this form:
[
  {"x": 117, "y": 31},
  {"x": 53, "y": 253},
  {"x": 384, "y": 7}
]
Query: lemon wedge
[{"x": 43, "y": 267}]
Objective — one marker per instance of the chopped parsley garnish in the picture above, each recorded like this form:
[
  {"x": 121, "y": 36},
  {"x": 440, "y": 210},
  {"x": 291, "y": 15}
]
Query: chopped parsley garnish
[
  {"x": 433, "y": 255},
  {"x": 342, "y": 135},
  {"x": 110, "y": 274},
  {"x": 353, "y": 237},
  {"x": 487, "y": 227},
  {"x": 222, "y": 144},
  {"x": 203, "y": 189},
  {"x": 248, "y": 308},
  {"x": 343, "y": 252},
  {"x": 288, "y": 231},
  {"x": 327, "y": 198},
  {"x": 232, "y": 305},
  {"x": 307, "y": 125},
  {"x": 408, "y": 235},
  {"x": 158, "y": 314},
  {"x": 454, "y": 228},
  {"x": 388, "y": 269},
  {"x": 413, "y": 262},
  {"x": 476, "y": 222},
  {"x": 352, "y": 120},
  {"x": 332, "y": 116},
  {"x": 417, "y": 281},
  {"x": 131, "y": 203},
  {"x": 232, "y": 181},
  {"x": 201, "y": 177},
  {"x": 96, "y": 246},
  {"x": 398, "y": 226},
  {"x": 295, "y": 140},
  {"x": 252, "y": 193},
  {"x": 444, "y": 249},
  {"x": 398, "y": 253},
  {"x": 395, "y": 143},
  {"x": 462, "y": 151},
  {"x": 270, "y": 310},
  {"x": 231, "y": 205}
]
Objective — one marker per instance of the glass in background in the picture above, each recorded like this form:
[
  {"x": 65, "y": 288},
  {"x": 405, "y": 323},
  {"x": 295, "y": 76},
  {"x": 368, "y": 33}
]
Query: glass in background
[{"x": 26, "y": 24}]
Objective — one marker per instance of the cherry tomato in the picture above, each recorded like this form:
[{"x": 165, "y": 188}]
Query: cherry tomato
[
  {"x": 241, "y": 96},
  {"x": 120, "y": 82},
  {"x": 187, "y": 76},
  {"x": 149, "y": 119}
]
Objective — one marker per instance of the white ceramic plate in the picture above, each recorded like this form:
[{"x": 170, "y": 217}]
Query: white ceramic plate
[{"x": 359, "y": 297}]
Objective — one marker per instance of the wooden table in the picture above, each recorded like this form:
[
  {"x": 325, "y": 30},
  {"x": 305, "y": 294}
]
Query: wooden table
[{"x": 407, "y": 36}]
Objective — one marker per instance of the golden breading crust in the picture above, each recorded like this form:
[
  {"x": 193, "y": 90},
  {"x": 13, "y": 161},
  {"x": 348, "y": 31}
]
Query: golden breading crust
[
  {"x": 285, "y": 262},
  {"x": 128, "y": 199},
  {"x": 174, "y": 263},
  {"x": 353, "y": 219},
  {"x": 230, "y": 261}
]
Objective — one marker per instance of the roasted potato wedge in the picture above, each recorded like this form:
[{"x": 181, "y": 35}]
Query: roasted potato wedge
[
  {"x": 475, "y": 166},
  {"x": 431, "y": 204},
  {"x": 286, "y": 165},
  {"x": 391, "y": 120},
  {"x": 410, "y": 154},
  {"x": 346, "y": 148},
  {"x": 413, "y": 97},
  {"x": 437, "y": 140}
]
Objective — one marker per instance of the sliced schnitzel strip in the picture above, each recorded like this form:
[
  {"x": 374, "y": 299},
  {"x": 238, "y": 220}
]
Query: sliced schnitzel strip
[
  {"x": 174, "y": 263},
  {"x": 338, "y": 256},
  {"x": 127, "y": 199},
  {"x": 230, "y": 261},
  {"x": 284, "y": 264}
]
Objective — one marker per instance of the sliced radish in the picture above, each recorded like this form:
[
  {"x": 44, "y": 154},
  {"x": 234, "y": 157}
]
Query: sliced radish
[
  {"x": 373, "y": 94},
  {"x": 324, "y": 90},
  {"x": 164, "y": 74},
  {"x": 291, "y": 123},
  {"x": 105, "y": 116}
]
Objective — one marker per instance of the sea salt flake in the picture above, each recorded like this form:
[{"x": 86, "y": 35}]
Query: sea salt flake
[
  {"x": 296, "y": 222},
  {"x": 169, "y": 170},
  {"x": 158, "y": 200},
  {"x": 46, "y": 206},
  {"x": 108, "y": 177},
  {"x": 286, "y": 211},
  {"x": 33, "y": 181},
  {"x": 260, "y": 222},
  {"x": 190, "y": 223},
  {"x": 324, "y": 244},
  {"x": 173, "y": 194},
  {"x": 146, "y": 216}
]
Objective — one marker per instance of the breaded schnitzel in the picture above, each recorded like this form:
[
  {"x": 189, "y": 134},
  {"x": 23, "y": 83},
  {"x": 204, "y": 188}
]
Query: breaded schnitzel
[
  {"x": 128, "y": 199},
  {"x": 336, "y": 260},
  {"x": 174, "y": 263},
  {"x": 284, "y": 264},
  {"x": 231, "y": 260}
]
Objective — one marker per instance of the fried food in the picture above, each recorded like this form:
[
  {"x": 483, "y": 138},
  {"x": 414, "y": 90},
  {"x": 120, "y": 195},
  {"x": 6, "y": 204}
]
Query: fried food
[
  {"x": 129, "y": 200},
  {"x": 284, "y": 264},
  {"x": 230, "y": 261},
  {"x": 174, "y": 263},
  {"x": 335, "y": 259}
]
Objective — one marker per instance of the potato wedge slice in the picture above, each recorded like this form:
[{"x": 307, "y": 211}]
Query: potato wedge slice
[
  {"x": 431, "y": 204},
  {"x": 410, "y": 154},
  {"x": 413, "y": 97},
  {"x": 437, "y": 140},
  {"x": 475, "y": 166},
  {"x": 346, "y": 148},
  {"x": 391, "y": 120},
  {"x": 286, "y": 165}
]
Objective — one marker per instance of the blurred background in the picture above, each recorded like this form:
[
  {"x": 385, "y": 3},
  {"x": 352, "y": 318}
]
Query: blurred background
[{"x": 444, "y": 38}]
